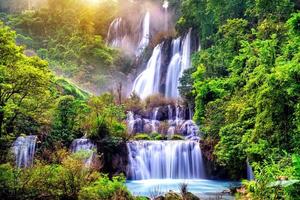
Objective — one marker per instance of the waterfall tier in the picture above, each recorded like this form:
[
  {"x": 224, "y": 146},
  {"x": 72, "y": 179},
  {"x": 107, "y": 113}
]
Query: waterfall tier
[
  {"x": 24, "y": 150},
  {"x": 168, "y": 120},
  {"x": 121, "y": 34},
  {"x": 165, "y": 160},
  {"x": 162, "y": 76},
  {"x": 86, "y": 145},
  {"x": 147, "y": 83}
]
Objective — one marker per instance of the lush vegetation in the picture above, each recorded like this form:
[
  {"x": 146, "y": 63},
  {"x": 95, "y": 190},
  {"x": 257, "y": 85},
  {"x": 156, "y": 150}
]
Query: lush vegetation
[
  {"x": 34, "y": 101},
  {"x": 70, "y": 35},
  {"x": 67, "y": 179},
  {"x": 246, "y": 86}
]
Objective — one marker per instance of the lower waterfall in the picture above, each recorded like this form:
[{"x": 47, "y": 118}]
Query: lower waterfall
[
  {"x": 24, "y": 150},
  {"x": 86, "y": 145},
  {"x": 180, "y": 159}
]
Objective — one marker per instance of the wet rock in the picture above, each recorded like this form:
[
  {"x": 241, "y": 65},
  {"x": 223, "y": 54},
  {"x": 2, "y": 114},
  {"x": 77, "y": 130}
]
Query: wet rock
[
  {"x": 159, "y": 198},
  {"x": 190, "y": 196},
  {"x": 173, "y": 196}
]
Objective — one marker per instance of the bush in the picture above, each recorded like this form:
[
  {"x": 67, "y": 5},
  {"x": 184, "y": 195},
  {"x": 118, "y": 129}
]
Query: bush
[
  {"x": 106, "y": 189},
  {"x": 142, "y": 136},
  {"x": 158, "y": 100},
  {"x": 160, "y": 137},
  {"x": 177, "y": 137}
]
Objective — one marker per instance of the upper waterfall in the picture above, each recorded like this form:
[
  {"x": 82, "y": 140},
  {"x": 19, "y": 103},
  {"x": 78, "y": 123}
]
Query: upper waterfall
[
  {"x": 147, "y": 83},
  {"x": 145, "y": 35},
  {"x": 180, "y": 62},
  {"x": 115, "y": 35}
]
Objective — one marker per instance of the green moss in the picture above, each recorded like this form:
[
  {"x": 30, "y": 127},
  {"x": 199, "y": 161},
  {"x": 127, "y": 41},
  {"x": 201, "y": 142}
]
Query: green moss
[
  {"x": 177, "y": 137},
  {"x": 68, "y": 88},
  {"x": 142, "y": 136},
  {"x": 160, "y": 137}
]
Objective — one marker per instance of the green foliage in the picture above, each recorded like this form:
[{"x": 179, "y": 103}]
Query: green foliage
[
  {"x": 25, "y": 86},
  {"x": 69, "y": 35},
  {"x": 156, "y": 136},
  {"x": 68, "y": 116},
  {"x": 246, "y": 82},
  {"x": 142, "y": 136},
  {"x": 266, "y": 175},
  {"x": 68, "y": 88},
  {"x": 106, "y": 189},
  {"x": 69, "y": 179},
  {"x": 177, "y": 137},
  {"x": 107, "y": 118},
  {"x": 63, "y": 181}
]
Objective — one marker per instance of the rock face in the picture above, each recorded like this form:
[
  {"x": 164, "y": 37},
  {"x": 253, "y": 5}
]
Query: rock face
[
  {"x": 114, "y": 156},
  {"x": 173, "y": 196},
  {"x": 190, "y": 196},
  {"x": 166, "y": 119}
]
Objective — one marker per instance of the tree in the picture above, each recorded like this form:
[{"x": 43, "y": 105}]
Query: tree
[{"x": 24, "y": 83}]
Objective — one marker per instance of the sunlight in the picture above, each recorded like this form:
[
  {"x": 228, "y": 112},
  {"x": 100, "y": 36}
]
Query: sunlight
[{"x": 93, "y": 1}]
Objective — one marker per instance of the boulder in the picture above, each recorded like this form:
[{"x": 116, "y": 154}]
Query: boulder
[
  {"x": 173, "y": 196},
  {"x": 190, "y": 196}
]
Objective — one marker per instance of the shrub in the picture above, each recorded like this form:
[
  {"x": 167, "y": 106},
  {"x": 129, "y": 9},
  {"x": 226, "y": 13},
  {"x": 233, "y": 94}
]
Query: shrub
[
  {"x": 160, "y": 137},
  {"x": 157, "y": 100},
  {"x": 177, "y": 137},
  {"x": 106, "y": 189},
  {"x": 142, "y": 136},
  {"x": 134, "y": 103}
]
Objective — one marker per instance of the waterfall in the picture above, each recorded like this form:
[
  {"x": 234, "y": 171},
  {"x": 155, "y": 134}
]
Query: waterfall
[
  {"x": 130, "y": 121},
  {"x": 86, "y": 145},
  {"x": 165, "y": 160},
  {"x": 170, "y": 113},
  {"x": 116, "y": 33},
  {"x": 145, "y": 35},
  {"x": 180, "y": 61},
  {"x": 24, "y": 149},
  {"x": 166, "y": 6},
  {"x": 154, "y": 122},
  {"x": 186, "y": 53},
  {"x": 147, "y": 83},
  {"x": 250, "y": 174}
]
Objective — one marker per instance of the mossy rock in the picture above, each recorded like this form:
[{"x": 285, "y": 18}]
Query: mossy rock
[
  {"x": 177, "y": 137},
  {"x": 190, "y": 196},
  {"x": 173, "y": 196},
  {"x": 160, "y": 198},
  {"x": 142, "y": 136},
  {"x": 160, "y": 137},
  {"x": 142, "y": 198}
]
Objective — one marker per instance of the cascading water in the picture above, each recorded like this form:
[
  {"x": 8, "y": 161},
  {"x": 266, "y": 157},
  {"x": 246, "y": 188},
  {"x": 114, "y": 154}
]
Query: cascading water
[
  {"x": 116, "y": 35},
  {"x": 174, "y": 70},
  {"x": 86, "y": 145},
  {"x": 186, "y": 53},
  {"x": 154, "y": 121},
  {"x": 24, "y": 149},
  {"x": 130, "y": 121},
  {"x": 145, "y": 35},
  {"x": 165, "y": 160},
  {"x": 166, "y": 6},
  {"x": 147, "y": 83},
  {"x": 180, "y": 61},
  {"x": 250, "y": 174}
]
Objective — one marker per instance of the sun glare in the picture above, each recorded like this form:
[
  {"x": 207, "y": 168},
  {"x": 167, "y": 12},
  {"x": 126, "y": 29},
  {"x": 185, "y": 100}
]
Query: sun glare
[{"x": 93, "y": 1}]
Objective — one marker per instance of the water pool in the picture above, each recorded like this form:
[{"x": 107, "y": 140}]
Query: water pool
[{"x": 200, "y": 187}]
